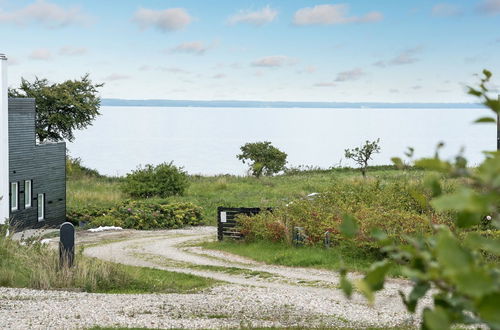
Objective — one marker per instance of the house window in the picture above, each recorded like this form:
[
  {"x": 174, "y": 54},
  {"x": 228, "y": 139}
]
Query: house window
[
  {"x": 14, "y": 194},
  {"x": 27, "y": 193},
  {"x": 41, "y": 207}
]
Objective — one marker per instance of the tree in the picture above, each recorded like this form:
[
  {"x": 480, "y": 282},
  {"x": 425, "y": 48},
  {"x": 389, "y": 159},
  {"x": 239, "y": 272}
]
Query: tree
[
  {"x": 263, "y": 158},
  {"x": 61, "y": 108},
  {"x": 458, "y": 266},
  {"x": 361, "y": 155}
]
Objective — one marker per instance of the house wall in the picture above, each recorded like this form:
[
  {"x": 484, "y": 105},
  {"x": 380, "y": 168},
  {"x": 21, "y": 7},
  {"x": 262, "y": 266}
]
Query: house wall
[
  {"x": 4, "y": 142},
  {"x": 44, "y": 164}
]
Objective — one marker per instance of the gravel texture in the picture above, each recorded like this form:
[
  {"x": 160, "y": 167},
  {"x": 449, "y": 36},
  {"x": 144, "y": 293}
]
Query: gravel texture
[{"x": 256, "y": 295}]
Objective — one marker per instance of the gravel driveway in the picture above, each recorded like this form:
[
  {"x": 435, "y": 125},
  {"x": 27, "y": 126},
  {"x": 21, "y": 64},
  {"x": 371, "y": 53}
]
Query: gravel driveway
[{"x": 256, "y": 294}]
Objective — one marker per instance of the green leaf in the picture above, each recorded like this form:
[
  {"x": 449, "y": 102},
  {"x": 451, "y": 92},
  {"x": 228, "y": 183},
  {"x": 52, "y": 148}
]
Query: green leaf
[
  {"x": 433, "y": 164},
  {"x": 477, "y": 241},
  {"x": 346, "y": 286},
  {"x": 398, "y": 162},
  {"x": 475, "y": 283},
  {"x": 375, "y": 277},
  {"x": 419, "y": 290},
  {"x": 485, "y": 120},
  {"x": 488, "y": 309},
  {"x": 451, "y": 256},
  {"x": 349, "y": 226},
  {"x": 436, "y": 319}
]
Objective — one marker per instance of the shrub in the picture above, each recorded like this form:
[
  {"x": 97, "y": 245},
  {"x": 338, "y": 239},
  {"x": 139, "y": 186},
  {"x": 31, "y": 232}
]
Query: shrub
[
  {"x": 150, "y": 215},
  {"x": 163, "y": 181},
  {"x": 263, "y": 158},
  {"x": 390, "y": 206}
]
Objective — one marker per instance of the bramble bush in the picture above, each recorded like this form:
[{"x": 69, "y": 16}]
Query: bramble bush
[
  {"x": 154, "y": 214},
  {"x": 392, "y": 206},
  {"x": 163, "y": 181}
]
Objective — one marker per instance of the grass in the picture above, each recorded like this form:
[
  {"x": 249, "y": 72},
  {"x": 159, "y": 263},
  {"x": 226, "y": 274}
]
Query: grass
[
  {"x": 333, "y": 258},
  {"x": 209, "y": 192},
  {"x": 36, "y": 266}
]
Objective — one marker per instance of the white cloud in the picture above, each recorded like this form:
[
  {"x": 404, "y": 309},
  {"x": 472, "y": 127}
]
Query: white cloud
[
  {"x": 353, "y": 74},
  {"x": 72, "y": 51},
  {"x": 325, "y": 84},
  {"x": 219, "y": 76},
  {"x": 490, "y": 7},
  {"x": 445, "y": 9},
  {"x": 273, "y": 61},
  {"x": 195, "y": 47},
  {"x": 116, "y": 76},
  {"x": 258, "y": 18},
  {"x": 408, "y": 56},
  {"x": 164, "y": 20},
  {"x": 41, "y": 54},
  {"x": 332, "y": 14},
  {"x": 48, "y": 14}
]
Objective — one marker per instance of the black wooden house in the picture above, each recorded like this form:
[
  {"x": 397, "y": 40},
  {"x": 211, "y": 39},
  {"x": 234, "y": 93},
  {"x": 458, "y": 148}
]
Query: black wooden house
[{"x": 37, "y": 172}]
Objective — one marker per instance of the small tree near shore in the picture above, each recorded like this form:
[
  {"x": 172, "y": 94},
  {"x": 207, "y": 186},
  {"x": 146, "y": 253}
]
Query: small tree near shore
[
  {"x": 361, "y": 155},
  {"x": 263, "y": 158}
]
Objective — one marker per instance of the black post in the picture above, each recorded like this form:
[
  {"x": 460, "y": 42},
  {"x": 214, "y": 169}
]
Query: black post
[{"x": 66, "y": 245}]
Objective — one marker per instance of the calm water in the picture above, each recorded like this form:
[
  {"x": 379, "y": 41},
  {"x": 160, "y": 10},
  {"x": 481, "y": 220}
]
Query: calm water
[{"x": 206, "y": 140}]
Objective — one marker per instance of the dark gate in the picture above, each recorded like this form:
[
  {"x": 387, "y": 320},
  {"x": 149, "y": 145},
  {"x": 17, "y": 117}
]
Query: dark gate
[{"x": 226, "y": 220}]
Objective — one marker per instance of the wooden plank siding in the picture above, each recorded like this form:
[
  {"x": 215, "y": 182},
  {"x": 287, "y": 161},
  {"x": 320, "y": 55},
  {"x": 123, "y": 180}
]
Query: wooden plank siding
[{"x": 44, "y": 164}]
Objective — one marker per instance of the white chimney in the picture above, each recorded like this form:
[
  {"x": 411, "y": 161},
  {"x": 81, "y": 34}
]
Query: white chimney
[{"x": 4, "y": 142}]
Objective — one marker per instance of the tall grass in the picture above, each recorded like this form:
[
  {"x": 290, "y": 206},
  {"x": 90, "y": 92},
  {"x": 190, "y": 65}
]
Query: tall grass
[{"x": 37, "y": 266}]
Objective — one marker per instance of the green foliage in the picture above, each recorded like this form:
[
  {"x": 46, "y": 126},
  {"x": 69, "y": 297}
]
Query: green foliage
[
  {"x": 163, "y": 181},
  {"x": 61, "y": 108},
  {"x": 390, "y": 205},
  {"x": 75, "y": 169},
  {"x": 459, "y": 263},
  {"x": 139, "y": 214},
  {"x": 263, "y": 158},
  {"x": 361, "y": 155}
]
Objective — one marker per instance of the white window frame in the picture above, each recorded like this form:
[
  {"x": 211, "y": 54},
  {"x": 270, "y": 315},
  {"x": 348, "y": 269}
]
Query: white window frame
[
  {"x": 28, "y": 193},
  {"x": 41, "y": 207},
  {"x": 14, "y": 196}
]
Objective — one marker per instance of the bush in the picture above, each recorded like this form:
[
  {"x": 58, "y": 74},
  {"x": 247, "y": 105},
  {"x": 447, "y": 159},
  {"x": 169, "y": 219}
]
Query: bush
[
  {"x": 149, "y": 215},
  {"x": 264, "y": 158},
  {"x": 163, "y": 181},
  {"x": 390, "y": 206}
]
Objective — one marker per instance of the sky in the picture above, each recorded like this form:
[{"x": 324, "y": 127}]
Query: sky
[{"x": 282, "y": 50}]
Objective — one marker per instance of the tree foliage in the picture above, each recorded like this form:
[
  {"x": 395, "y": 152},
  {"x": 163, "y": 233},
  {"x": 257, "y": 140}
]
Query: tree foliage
[
  {"x": 163, "y": 180},
  {"x": 263, "y": 158},
  {"x": 61, "y": 108},
  {"x": 459, "y": 265},
  {"x": 361, "y": 155}
]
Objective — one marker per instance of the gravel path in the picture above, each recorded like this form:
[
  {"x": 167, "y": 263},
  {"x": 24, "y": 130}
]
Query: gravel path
[{"x": 256, "y": 294}]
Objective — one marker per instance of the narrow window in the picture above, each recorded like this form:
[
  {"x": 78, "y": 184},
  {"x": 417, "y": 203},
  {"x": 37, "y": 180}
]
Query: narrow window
[
  {"x": 27, "y": 194},
  {"x": 14, "y": 193},
  {"x": 41, "y": 207}
]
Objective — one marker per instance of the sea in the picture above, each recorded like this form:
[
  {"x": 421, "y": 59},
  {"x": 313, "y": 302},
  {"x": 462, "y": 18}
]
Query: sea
[{"x": 206, "y": 141}]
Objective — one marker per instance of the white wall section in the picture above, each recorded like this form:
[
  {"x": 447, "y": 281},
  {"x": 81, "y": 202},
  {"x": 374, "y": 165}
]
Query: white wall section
[{"x": 4, "y": 142}]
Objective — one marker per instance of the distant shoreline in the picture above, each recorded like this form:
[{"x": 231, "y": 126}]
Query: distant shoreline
[{"x": 282, "y": 104}]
